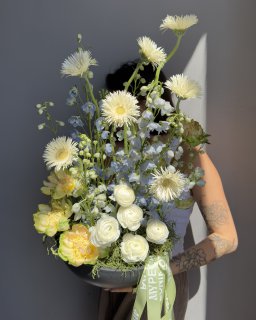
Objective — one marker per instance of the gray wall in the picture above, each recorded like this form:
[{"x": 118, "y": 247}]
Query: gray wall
[{"x": 35, "y": 38}]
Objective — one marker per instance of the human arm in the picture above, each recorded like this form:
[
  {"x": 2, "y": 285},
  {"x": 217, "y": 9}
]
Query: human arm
[{"x": 222, "y": 236}]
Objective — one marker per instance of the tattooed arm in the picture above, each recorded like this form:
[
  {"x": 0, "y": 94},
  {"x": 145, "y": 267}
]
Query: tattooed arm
[{"x": 222, "y": 236}]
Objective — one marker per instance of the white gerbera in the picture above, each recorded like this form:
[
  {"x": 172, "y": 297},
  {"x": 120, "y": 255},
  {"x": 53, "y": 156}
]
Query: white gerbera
[
  {"x": 179, "y": 23},
  {"x": 167, "y": 185},
  {"x": 78, "y": 63},
  {"x": 183, "y": 87},
  {"x": 119, "y": 108},
  {"x": 60, "y": 153},
  {"x": 150, "y": 51}
]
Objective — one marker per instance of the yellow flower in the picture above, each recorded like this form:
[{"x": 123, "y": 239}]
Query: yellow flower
[
  {"x": 167, "y": 185},
  {"x": 78, "y": 63},
  {"x": 50, "y": 221},
  {"x": 60, "y": 153},
  {"x": 179, "y": 24},
  {"x": 60, "y": 184},
  {"x": 76, "y": 248},
  {"x": 183, "y": 87},
  {"x": 120, "y": 107},
  {"x": 150, "y": 51}
]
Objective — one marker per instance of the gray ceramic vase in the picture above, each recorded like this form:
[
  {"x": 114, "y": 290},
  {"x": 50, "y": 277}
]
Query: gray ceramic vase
[{"x": 108, "y": 278}]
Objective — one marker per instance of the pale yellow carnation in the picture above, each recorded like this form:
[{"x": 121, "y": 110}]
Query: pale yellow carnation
[
  {"x": 76, "y": 248},
  {"x": 49, "y": 222}
]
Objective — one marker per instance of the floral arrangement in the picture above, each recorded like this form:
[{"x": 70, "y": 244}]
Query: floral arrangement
[{"x": 111, "y": 184}]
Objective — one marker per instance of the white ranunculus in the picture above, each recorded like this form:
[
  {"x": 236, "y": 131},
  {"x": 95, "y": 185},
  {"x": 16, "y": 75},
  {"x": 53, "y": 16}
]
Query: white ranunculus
[
  {"x": 157, "y": 231},
  {"x": 130, "y": 217},
  {"x": 124, "y": 195},
  {"x": 134, "y": 248},
  {"x": 105, "y": 232}
]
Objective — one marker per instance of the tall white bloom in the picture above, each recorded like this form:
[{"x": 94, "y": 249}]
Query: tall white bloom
[
  {"x": 157, "y": 231},
  {"x": 150, "y": 51},
  {"x": 167, "y": 185},
  {"x": 130, "y": 217},
  {"x": 134, "y": 248},
  {"x": 120, "y": 107},
  {"x": 78, "y": 63},
  {"x": 179, "y": 23},
  {"x": 60, "y": 153},
  {"x": 183, "y": 87},
  {"x": 105, "y": 232},
  {"x": 124, "y": 195}
]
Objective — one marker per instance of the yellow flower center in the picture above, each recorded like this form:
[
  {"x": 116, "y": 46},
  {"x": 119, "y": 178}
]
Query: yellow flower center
[
  {"x": 120, "y": 110},
  {"x": 167, "y": 183},
  {"x": 62, "y": 154},
  {"x": 67, "y": 184}
]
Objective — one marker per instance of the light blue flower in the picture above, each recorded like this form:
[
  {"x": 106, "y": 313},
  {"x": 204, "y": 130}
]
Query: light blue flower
[
  {"x": 120, "y": 153},
  {"x": 105, "y": 135},
  {"x": 120, "y": 135},
  {"x": 147, "y": 165},
  {"x": 141, "y": 201},
  {"x": 89, "y": 108},
  {"x": 154, "y": 126},
  {"x": 73, "y": 92},
  {"x": 147, "y": 114},
  {"x": 75, "y": 121},
  {"x": 134, "y": 177},
  {"x": 99, "y": 124},
  {"x": 71, "y": 101},
  {"x": 135, "y": 143},
  {"x": 108, "y": 149},
  {"x": 167, "y": 109}
]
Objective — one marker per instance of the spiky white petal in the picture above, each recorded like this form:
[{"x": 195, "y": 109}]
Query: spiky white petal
[
  {"x": 150, "y": 51},
  {"x": 120, "y": 107},
  {"x": 167, "y": 185},
  {"x": 183, "y": 87},
  {"x": 179, "y": 23},
  {"x": 78, "y": 63},
  {"x": 60, "y": 153}
]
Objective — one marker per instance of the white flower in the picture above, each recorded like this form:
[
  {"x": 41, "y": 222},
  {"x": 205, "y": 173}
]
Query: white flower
[
  {"x": 179, "y": 23},
  {"x": 78, "y": 63},
  {"x": 134, "y": 248},
  {"x": 130, "y": 217},
  {"x": 157, "y": 231},
  {"x": 120, "y": 107},
  {"x": 167, "y": 185},
  {"x": 60, "y": 153},
  {"x": 183, "y": 87},
  {"x": 105, "y": 232},
  {"x": 150, "y": 51},
  {"x": 76, "y": 207},
  {"x": 124, "y": 195}
]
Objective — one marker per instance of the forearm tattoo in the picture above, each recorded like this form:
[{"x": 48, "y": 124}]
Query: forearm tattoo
[
  {"x": 221, "y": 245},
  {"x": 194, "y": 257},
  {"x": 215, "y": 214}
]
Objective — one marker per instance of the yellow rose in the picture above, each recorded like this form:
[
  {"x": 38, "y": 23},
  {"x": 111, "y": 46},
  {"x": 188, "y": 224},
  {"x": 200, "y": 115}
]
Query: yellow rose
[{"x": 76, "y": 248}]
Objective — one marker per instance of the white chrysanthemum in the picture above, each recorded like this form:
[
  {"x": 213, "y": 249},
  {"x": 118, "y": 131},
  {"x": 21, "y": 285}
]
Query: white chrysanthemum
[
  {"x": 179, "y": 23},
  {"x": 78, "y": 63},
  {"x": 149, "y": 49},
  {"x": 183, "y": 87},
  {"x": 167, "y": 185},
  {"x": 60, "y": 153},
  {"x": 120, "y": 107}
]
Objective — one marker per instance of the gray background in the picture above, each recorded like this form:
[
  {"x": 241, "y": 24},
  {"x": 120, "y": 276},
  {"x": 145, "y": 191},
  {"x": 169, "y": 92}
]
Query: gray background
[{"x": 36, "y": 36}]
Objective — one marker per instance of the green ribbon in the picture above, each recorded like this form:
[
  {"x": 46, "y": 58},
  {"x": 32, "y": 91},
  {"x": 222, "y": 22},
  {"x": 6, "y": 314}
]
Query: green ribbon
[{"x": 156, "y": 289}]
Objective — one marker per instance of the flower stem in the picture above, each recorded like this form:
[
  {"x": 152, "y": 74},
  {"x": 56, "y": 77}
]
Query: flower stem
[
  {"x": 132, "y": 77},
  {"x": 178, "y": 105},
  {"x": 125, "y": 140},
  {"x": 94, "y": 101},
  {"x": 170, "y": 55}
]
